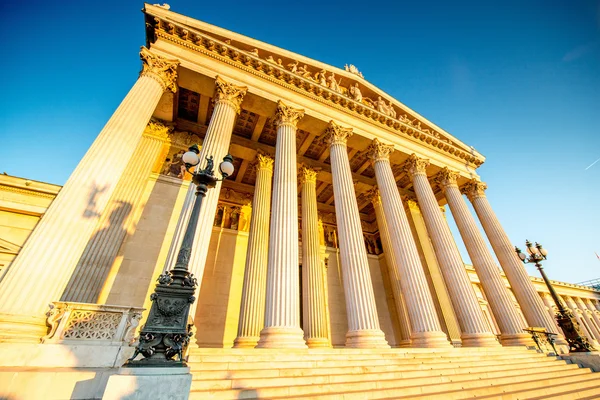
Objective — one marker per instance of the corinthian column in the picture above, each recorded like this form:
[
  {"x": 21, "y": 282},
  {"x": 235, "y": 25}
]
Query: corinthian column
[
  {"x": 282, "y": 310},
  {"x": 92, "y": 273},
  {"x": 588, "y": 317},
  {"x": 363, "y": 322},
  {"x": 425, "y": 327},
  {"x": 315, "y": 317},
  {"x": 475, "y": 330},
  {"x": 252, "y": 309},
  {"x": 227, "y": 100},
  {"x": 393, "y": 268},
  {"x": 501, "y": 303},
  {"x": 531, "y": 303},
  {"x": 46, "y": 262}
]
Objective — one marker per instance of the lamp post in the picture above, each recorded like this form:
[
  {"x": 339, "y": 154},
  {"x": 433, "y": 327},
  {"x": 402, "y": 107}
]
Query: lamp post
[
  {"x": 166, "y": 333},
  {"x": 564, "y": 317}
]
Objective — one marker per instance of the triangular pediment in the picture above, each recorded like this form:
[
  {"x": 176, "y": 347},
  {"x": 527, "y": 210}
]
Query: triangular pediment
[{"x": 316, "y": 78}]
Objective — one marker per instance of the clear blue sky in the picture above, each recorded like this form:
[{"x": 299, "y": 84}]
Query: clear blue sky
[{"x": 518, "y": 80}]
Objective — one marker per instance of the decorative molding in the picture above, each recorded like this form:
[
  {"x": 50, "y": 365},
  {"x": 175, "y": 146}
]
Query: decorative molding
[
  {"x": 446, "y": 178},
  {"x": 308, "y": 175},
  {"x": 293, "y": 80},
  {"x": 159, "y": 68},
  {"x": 157, "y": 129},
  {"x": 229, "y": 93},
  {"x": 374, "y": 196},
  {"x": 379, "y": 151},
  {"x": 336, "y": 134},
  {"x": 286, "y": 115},
  {"x": 264, "y": 162},
  {"x": 416, "y": 166},
  {"x": 12, "y": 189},
  {"x": 474, "y": 189}
]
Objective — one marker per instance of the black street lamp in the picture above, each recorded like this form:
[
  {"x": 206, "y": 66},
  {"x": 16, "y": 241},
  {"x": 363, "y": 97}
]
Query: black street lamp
[
  {"x": 564, "y": 316},
  {"x": 166, "y": 333}
]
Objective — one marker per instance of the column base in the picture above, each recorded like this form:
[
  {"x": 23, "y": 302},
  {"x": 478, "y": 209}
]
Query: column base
[
  {"x": 405, "y": 343},
  {"x": 517, "y": 339},
  {"x": 280, "y": 337},
  {"x": 317, "y": 342},
  {"x": 366, "y": 339},
  {"x": 429, "y": 339},
  {"x": 479, "y": 340},
  {"x": 245, "y": 342},
  {"x": 22, "y": 328}
]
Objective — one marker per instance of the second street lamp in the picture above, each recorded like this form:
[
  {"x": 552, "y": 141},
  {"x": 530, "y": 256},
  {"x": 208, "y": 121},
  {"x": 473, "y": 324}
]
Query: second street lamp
[
  {"x": 564, "y": 316},
  {"x": 166, "y": 333}
]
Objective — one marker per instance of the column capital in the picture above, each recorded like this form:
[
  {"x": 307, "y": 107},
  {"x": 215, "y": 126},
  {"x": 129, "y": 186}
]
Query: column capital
[
  {"x": 229, "y": 93},
  {"x": 263, "y": 162},
  {"x": 308, "y": 175},
  {"x": 159, "y": 68},
  {"x": 378, "y": 151},
  {"x": 336, "y": 134},
  {"x": 416, "y": 166},
  {"x": 474, "y": 189},
  {"x": 286, "y": 115},
  {"x": 446, "y": 178},
  {"x": 157, "y": 129},
  {"x": 374, "y": 196}
]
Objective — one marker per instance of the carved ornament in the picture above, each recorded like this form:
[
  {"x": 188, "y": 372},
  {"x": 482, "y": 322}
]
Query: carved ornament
[
  {"x": 308, "y": 175},
  {"x": 229, "y": 93},
  {"x": 374, "y": 196},
  {"x": 300, "y": 79},
  {"x": 163, "y": 70},
  {"x": 378, "y": 151},
  {"x": 446, "y": 178},
  {"x": 264, "y": 162},
  {"x": 158, "y": 130},
  {"x": 416, "y": 166},
  {"x": 336, "y": 134},
  {"x": 286, "y": 115},
  {"x": 474, "y": 189}
]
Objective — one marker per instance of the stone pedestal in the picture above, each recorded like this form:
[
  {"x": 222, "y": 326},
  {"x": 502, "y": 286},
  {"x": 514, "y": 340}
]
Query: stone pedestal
[
  {"x": 252, "y": 309},
  {"x": 363, "y": 321},
  {"x": 46, "y": 262},
  {"x": 282, "y": 309},
  {"x": 501, "y": 303},
  {"x": 475, "y": 332},
  {"x": 149, "y": 383}
]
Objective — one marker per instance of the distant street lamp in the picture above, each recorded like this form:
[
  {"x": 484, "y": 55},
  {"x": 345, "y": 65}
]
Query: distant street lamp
[
  {"x": 564, "y": 316},
  {"x": 166, "y": 333}
]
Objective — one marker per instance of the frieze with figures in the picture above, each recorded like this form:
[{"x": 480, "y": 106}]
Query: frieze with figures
[{"x": 316, "y": 83}]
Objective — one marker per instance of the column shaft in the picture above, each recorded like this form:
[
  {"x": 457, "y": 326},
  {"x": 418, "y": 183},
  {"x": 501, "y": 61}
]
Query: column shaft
[
  {"x": 474, "y": 329},
  {"x": 363, "y": 321},
  {"x": 496, "y": 292},
  {"x": 531, "y": 303},
  {"x": 252, "y": 309},
  {"x": 315, "y": 318},
  {"x": 393, "y": 268},
  {"x": 549, "y": 303},
  {"x": 227, "y": 99},
  {"x": 282, "y": 310},
  {"x": 44, "y": 266},
  {"x": 94, "y": 265},
  {"x": 589, "y": 318}
]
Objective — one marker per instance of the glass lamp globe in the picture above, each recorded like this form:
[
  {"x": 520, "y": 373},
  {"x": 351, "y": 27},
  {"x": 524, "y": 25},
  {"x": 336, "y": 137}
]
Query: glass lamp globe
[
  {"x": 190, "y": 158},
  {"x": 522, "y": 256},
  {"x": 226, "y": 167},
  {"x": 543, "y": 251}
]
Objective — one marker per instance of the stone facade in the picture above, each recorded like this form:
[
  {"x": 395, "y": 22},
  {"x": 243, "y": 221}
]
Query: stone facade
[{"x": 330, "y": 233}]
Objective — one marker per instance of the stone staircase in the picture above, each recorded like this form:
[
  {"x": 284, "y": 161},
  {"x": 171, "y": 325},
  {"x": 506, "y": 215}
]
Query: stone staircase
[{"x": 484, "y": 373}]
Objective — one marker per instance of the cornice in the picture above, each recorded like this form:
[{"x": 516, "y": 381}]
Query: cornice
[
  {"x": 34, "y": 193},
  {"x": 202, "y": 43}
]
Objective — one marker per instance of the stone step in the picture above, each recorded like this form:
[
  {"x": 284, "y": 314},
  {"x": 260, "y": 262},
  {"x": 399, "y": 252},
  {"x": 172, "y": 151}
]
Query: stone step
[
  {"x": 380, "y": 388},
  {"x": 264, "y": 365},
  {"x": 583, "y": 390},
  {"x": 441, "y": 367},
  {"x": 528, "y": 389},
  {"x": 423, "y": 376}
]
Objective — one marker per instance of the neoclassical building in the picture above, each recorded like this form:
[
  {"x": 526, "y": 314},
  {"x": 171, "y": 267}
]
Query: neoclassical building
[{"x": 331, "y": 232}]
